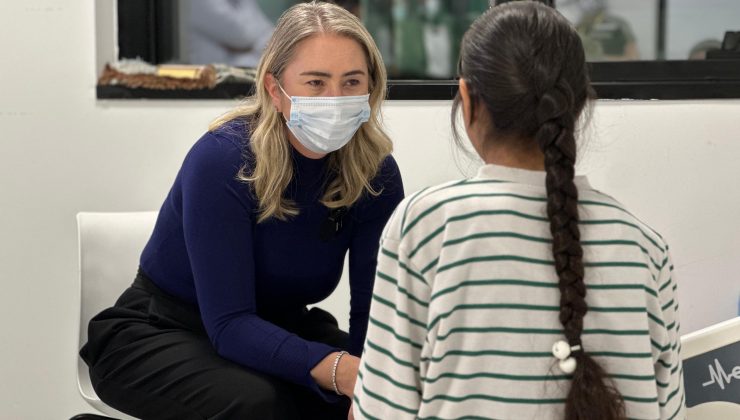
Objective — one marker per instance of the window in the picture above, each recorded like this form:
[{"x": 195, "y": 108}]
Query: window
[{"x": 641, "y": 49}]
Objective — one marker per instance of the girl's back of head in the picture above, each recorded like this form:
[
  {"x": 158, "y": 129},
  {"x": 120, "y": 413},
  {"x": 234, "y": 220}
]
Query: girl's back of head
[{"x": 525, "y": 72}]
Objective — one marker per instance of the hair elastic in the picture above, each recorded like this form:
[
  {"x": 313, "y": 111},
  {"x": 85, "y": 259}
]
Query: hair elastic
[{"x": 562, "y": 351}]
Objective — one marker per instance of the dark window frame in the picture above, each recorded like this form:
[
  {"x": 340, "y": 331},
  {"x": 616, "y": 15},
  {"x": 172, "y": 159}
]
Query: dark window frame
[
  {"x": 713, "y": 78},
  {"x": 147, "y": 29}
]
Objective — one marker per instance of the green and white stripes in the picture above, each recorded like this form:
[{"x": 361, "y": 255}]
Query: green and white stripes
[{"x": 466, "y": 302}]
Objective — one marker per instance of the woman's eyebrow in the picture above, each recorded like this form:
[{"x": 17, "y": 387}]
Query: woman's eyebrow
[
  {"x": 328, "y": 75},
  {"x": 316, "y": 73},
  {"x": 354, "y": 72}
]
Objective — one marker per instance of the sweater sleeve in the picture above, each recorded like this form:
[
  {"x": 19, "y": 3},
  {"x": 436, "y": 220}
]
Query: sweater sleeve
[
  {"x": 217, "y": 220},
  {"x": 372, "y": 217},
  {"x": 668, "y": 367}
]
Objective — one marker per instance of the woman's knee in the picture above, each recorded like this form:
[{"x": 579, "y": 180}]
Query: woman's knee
[{"x": 254, "y": 396}]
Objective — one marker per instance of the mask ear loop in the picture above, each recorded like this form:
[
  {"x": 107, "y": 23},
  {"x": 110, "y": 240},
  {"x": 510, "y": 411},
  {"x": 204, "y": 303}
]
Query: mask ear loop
[
  {"x": 286, "y": 95},
  {"x": 283, "y": 90}
]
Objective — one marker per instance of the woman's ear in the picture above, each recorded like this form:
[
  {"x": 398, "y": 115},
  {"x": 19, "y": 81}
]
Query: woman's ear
[
  {"x": 271, "y": 84},
  {"x": 466, "y": 103}
]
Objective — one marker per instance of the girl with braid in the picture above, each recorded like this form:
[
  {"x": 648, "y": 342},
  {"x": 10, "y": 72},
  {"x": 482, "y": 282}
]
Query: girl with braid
[{"x": 522, "y": 293}]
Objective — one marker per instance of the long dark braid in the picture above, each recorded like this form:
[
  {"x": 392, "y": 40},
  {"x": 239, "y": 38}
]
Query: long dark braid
[
  {"x": 526, "y": 64},
  {"x": 591, "y": 395}
]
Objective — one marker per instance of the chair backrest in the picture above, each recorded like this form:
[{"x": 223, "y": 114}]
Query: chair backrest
[
  {"x": 711, "y": 365},
  {"x": 109, "y": 249}
]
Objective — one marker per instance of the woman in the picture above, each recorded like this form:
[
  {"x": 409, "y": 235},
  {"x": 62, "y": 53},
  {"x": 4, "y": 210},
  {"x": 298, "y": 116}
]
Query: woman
[
  {"x": 522, "y": 293},
  {"x": 256, "y": 227}
]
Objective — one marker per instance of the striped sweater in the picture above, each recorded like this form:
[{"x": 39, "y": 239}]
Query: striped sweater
[{"x": 465, "y": 306}]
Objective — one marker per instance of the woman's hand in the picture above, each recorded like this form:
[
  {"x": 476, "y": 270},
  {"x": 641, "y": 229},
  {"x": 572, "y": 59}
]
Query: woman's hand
[{"x": 346, "y": 374}]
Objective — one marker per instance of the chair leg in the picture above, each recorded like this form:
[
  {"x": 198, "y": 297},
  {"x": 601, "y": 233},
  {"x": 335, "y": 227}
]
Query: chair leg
[{"x": 91, "y": 417}]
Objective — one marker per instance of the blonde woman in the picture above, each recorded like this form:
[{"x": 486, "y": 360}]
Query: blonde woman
[{"x": 256, "y": 227}]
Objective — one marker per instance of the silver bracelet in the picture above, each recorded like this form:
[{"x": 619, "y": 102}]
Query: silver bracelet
[{"x": 334, "y": 372}]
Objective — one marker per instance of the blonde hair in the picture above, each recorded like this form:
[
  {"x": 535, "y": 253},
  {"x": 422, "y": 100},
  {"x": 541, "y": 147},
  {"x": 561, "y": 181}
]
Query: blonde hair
[{"x": 355, "y": 164}]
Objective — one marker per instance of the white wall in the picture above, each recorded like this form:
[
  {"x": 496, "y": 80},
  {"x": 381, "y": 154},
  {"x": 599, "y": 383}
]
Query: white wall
[{"x": 61, "y": 151}]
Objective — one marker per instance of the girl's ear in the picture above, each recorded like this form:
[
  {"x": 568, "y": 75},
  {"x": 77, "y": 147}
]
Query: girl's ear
[{"x": 466, "y": 103}]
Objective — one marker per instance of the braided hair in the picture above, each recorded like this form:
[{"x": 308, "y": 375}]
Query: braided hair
[{"x": 525, "y": 69}]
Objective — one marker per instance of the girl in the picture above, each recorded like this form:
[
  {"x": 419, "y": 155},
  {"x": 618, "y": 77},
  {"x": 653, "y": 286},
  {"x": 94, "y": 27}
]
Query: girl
[{"x": 522, "y": 293}]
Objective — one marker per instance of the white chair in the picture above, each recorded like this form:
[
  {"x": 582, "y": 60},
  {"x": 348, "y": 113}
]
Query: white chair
[
  {"x": 711, "y": 362},
  {"x": 109, "y": 249}
]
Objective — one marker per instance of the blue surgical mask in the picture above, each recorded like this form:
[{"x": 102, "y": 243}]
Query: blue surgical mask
[{"x": 324, "y": 124}]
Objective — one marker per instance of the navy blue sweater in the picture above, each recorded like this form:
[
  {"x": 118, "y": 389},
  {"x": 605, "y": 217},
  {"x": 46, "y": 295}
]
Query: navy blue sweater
[{"x": 208, "y": 250}]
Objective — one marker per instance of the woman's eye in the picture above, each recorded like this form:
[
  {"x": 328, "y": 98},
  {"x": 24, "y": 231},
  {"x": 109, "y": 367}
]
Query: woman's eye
[
  {"x": 315, "y": 83},
  {"x": 353, "y": 82}
]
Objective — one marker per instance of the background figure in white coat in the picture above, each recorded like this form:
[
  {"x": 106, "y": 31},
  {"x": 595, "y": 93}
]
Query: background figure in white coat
[{"x": 231, "y": 32}]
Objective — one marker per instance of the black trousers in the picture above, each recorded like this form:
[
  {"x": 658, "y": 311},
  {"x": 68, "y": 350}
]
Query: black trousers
[{"x": 149, "y": 357}]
